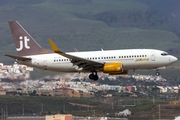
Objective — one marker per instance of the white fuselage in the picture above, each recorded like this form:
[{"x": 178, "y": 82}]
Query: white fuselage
[{"x": 131, "y": 59}]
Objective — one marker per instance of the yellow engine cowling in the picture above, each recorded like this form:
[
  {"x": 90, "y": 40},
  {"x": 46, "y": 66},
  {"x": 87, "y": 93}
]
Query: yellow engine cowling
[{"x": 113, "y": 67}]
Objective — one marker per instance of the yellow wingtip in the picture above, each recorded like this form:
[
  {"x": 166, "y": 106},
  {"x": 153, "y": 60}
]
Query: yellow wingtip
[{"x": 53, "y": 46}]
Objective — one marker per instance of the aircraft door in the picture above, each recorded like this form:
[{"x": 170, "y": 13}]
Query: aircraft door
[
  {"x": 45, "y": 64},
  {"x": 153, "y": 56}
]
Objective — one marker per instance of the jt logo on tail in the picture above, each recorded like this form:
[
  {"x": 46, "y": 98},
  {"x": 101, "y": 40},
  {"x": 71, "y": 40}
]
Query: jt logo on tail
[{"x": 23, "y": 43}]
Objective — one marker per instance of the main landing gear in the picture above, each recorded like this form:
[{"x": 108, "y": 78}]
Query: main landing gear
[{"x": 93, "y": 76}]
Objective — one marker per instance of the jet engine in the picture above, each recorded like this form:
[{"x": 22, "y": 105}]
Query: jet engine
[
  {"x": 119, "y": 73},
  {"x": 113, "y": 67}
]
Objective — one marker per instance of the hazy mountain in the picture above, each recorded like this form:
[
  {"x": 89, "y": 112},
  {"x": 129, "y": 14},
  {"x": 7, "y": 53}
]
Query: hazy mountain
[
  {"x": 169, "y": 10},
  {"x": 94, "y": 24}
]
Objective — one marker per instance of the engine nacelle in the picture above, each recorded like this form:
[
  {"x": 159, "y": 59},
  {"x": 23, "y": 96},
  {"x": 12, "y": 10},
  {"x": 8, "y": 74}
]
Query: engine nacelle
[
  {"x": 119, "y": 73},
  {"x": 113, "y": 67}
]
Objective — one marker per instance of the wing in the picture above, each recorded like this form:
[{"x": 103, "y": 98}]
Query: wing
[
  {"x": 17, "y": 57},
  {"x": 87, "y": 65}
]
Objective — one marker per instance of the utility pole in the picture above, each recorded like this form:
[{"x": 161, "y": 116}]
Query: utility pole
[
  {"x": 4, "y": 115},
  {"x": 64, "y": 107},
  {"x": 88, "y": 106},
  {"x": 159, "y": 112},
  {"x": 23, "y": 109},
  {"x": 153, "y": 100},
  {"x": 1, "y": 114},
  {"x": 112, "y": 104},
  {"x": 94, "y": 114},
  {"x": 42, "y": 109},
  {"x": 6, "y": 111}
]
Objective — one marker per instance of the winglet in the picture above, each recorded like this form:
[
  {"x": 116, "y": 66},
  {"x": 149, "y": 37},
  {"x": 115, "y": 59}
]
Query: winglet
[
  {"x": 54, "y": 47},
  {"x": 75, "y": 50}
]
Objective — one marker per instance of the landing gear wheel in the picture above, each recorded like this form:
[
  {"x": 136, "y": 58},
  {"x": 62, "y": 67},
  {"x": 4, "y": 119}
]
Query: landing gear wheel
[
  {"x": 157, "y": 73},
  {"x": 96, "y": 77},
  {"x": 93, "y": 76}
]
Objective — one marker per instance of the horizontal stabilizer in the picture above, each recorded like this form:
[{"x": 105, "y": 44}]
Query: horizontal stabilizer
[{"x": 17, "y": 57}]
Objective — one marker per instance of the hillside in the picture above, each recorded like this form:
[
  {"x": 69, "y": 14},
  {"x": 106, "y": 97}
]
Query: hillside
[
  {"x": 168, "y": 10},
  {"x": 88, "y": 25}
]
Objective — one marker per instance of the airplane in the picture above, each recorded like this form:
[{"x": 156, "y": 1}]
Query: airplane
[{"x": 112, "y": 62}]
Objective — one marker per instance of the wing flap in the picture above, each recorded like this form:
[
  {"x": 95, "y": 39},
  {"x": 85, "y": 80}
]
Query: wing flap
[
  {"x": 17, "y": 57},
  {"x": 80, "y": 62}
]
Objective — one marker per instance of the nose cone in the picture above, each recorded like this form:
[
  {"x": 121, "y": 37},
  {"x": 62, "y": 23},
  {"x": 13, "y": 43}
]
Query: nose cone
[{"x": 173, "y": 59}]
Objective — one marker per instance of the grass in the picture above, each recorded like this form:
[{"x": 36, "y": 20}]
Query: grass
[
  {"x": 33, "y": 104},
  {"x": 51, "y": 105}
]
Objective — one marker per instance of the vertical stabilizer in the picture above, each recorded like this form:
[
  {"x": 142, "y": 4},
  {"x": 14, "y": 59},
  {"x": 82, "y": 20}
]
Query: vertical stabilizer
[{"x": 25, "y": 44}]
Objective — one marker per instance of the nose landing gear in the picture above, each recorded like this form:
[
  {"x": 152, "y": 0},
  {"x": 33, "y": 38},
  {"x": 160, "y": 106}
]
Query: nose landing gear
[
  {"x": 93, "y": 76},
  {"x": 157, "y": 73}
]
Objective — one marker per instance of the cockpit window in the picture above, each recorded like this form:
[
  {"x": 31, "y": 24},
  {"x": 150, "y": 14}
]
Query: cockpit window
[{"x": 164, "y": 53}]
